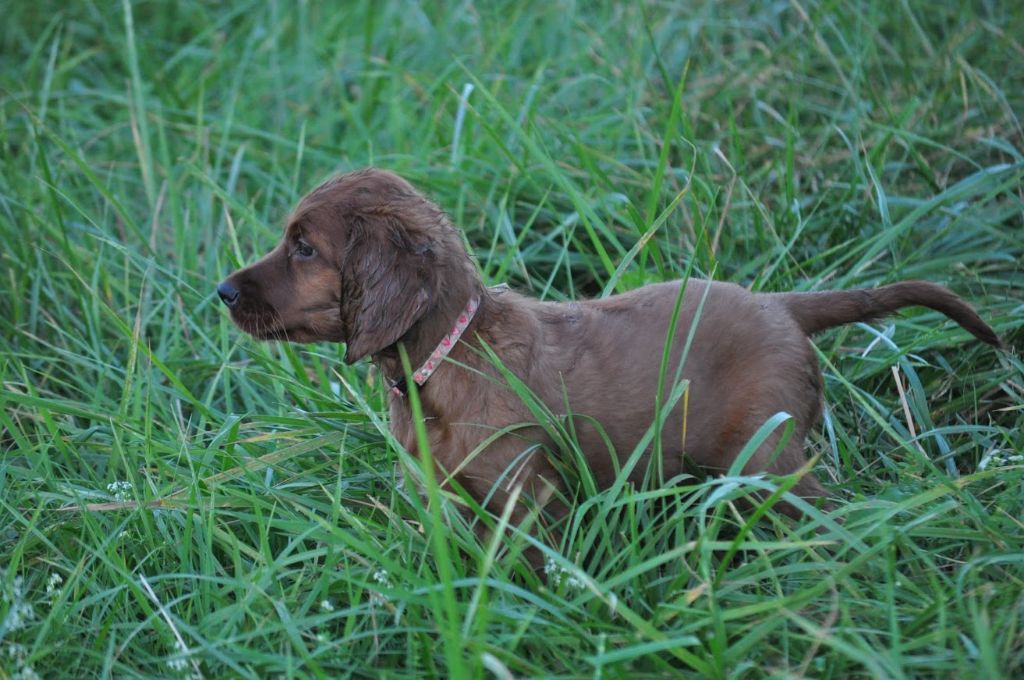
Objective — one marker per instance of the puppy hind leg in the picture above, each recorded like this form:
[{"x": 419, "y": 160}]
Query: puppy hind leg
[{"x": 790, "y": 460}]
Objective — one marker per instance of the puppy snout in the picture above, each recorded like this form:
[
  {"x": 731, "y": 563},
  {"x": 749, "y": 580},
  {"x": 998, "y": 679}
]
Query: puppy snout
[{"x": 228, "y": 293}]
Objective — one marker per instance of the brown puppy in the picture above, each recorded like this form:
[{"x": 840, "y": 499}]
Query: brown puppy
[{"x": 369, "y": 261}]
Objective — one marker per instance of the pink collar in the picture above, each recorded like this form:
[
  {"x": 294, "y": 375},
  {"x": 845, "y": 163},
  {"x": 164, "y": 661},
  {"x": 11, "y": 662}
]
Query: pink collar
[{"x": 421, "y": 374}]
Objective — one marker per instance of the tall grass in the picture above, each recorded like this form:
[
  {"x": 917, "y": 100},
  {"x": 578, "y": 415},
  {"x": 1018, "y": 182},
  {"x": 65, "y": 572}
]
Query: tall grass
[{"x": 178, "y": 500}]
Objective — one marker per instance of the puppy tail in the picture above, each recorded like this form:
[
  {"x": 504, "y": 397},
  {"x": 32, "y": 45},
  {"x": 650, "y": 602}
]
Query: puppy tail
[{"x": 815, "y": 312}]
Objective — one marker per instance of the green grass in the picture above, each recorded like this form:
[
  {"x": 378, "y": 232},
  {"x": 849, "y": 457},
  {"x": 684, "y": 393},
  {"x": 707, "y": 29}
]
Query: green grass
[{"x": 146, "y": 149}]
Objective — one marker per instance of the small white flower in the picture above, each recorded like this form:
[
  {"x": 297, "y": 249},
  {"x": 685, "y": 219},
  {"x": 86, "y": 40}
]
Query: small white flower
[
  {"x": 556, "y": 573},
  {"x": 326, "y": 605},
  {"x": 998, "y": 459},
  {"x": 381, "y": 577},
  {"x": 553, "y": 572},
  {"x": 21, "y": 611},
  {"x": 121, "y": 491},
  {"x": 178, "y": 662},
  {"x": 22, "y": 670},
  {"x": 53, "y": 585},
  {"x": 26, "y": 673}
]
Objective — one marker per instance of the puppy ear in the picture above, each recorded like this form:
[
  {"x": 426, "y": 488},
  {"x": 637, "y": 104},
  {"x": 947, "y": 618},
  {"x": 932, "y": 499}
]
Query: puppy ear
[{"x": 385, "y": 289}]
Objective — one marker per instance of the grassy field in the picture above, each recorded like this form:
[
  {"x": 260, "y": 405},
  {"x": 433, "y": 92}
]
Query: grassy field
[{"x": 177, "y": 500}]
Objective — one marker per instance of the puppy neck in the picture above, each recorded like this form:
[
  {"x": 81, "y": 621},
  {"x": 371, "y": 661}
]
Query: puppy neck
[{"x": 424, "y": 336}]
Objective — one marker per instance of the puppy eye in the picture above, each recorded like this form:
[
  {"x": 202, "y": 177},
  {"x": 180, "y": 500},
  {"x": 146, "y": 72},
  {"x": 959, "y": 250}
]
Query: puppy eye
[{"x": 304, "y": 250}]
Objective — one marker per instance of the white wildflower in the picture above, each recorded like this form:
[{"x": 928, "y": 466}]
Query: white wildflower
[
  {"x": 25, "y": 673},
  {"x": 552, "y": 571},
  {"x": 21, "y": 611},
  {"x": 382, "y": 577},
  {"x": 53, "y": 585},
  {"x": 326, "y": 605},
  {"x": 179, "y": 661},
  {"x": 22, "y": 671},
  {"x": 121, "y": 491},
  {"x": 557, "y": 573},
  {"x": 997, "y": 459}
]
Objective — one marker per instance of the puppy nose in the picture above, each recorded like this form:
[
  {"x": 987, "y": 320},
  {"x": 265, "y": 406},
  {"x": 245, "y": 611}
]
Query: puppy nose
[{"x": 228, "y": 293}]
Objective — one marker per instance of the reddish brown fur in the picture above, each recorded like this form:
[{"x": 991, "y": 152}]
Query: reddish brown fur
[{"x": 390, "y": 270}]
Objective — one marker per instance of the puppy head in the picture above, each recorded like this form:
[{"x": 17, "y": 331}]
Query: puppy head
[{"x": 358, "y": 264}]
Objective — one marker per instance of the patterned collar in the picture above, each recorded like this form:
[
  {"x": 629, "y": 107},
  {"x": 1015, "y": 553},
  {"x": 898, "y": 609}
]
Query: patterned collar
[{"x": 420, "y": 375}]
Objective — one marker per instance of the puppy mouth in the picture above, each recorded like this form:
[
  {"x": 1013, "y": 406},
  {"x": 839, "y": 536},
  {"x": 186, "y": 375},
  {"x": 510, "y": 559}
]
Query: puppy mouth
[
  {"x": 261, "y": 330},
  {"x": 269, "y": 327},
  {"x": 263, "y": 326},
  {"x": 317, "y": 309},
  {"x": 278, "y": 333},
  {"x": 273, "y": 333}
]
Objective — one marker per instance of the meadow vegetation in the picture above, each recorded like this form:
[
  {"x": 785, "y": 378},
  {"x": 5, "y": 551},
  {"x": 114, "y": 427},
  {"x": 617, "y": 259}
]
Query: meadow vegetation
[{"x": 177, "y": 500}]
